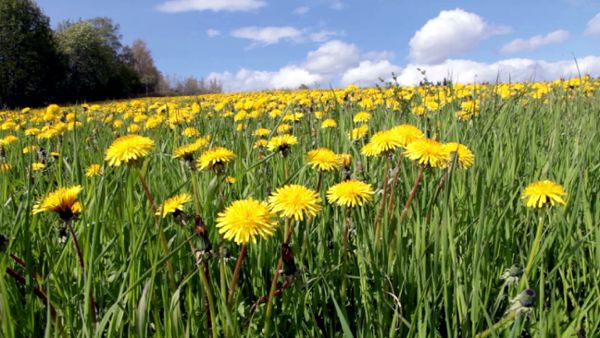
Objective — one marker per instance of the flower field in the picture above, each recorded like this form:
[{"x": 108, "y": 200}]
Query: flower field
[{"x": 430, "y": 211}]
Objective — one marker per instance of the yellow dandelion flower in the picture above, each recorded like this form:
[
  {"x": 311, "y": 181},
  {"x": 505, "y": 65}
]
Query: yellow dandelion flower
[
  {"x": 428, "y": 152},
  {"x": 8, "y": 140},
  {"x": 173, "y": 205},
  {"x": 284, "y": 128},
  {"x": 190, "y": 132},
  {"x": 361, "y": 117},
  {"x": 328, "y": 123},
  {"x": 260, "y": 143},
  {"x": 541, "y": 193},
  {"x": 128, "y": 148},
  {"x": 406, "y": 133},
  {"x": 93, "y": 170},
  {"x": 281, "y": 142},
  {"x": 37, "y": 166},
  {"x": 5, "y": 167},
  {"x": 245, "y": 219},
  {"x": 345, "y": 160},
  {"x": 62, "y": 201},
  {"x": 230, "y": 179},
  {"x": 214, "y": 158},
  {"x": 262, "y": 132},
  {"x": 187, "y": 151},
  {"x": 381, "y": 142},
  {"x": 295, "y": 201},
  {"x": 464, "y": 155},
  {"x": 323, "y": 159},
  {"x": 350, "y": 193},
  {"x": 358, "y": 132}
]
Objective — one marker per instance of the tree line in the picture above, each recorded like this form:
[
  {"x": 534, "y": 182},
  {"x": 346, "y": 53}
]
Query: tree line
[{"x": 80, "y": 61}]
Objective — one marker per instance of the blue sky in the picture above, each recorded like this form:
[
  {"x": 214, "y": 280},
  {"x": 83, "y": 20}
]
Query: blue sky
[{"x": 257, "y": 44}]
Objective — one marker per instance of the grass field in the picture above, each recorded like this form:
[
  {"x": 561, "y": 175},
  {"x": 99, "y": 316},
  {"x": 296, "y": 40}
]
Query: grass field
[{"x": 423, "y": 256}]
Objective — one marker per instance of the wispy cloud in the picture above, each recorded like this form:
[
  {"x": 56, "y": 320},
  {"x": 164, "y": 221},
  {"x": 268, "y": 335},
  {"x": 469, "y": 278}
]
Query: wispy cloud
[
  {"x": 535, "y": 42},
  {"x": 175, "y": 6}
]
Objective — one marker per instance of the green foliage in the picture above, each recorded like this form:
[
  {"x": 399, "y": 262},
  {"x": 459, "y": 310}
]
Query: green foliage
[
  {"x": 99, "y": 66},
  {"x": 30, "y": 66}
]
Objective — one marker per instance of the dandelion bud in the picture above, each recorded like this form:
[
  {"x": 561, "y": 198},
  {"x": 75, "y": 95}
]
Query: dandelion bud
[{"x": 523, "y": 302}]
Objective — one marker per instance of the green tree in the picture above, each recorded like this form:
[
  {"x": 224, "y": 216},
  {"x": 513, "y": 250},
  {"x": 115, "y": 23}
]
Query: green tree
[
  {"x": 30, "y": 66},
  {"x": 99, "y": 66}
]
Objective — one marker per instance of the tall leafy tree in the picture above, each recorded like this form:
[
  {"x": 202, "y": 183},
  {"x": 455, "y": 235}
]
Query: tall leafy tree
[
  {"x": 99, "y": 66},
  {"x": 143, "y": 63},
  {"x": 30, "y": 66}
]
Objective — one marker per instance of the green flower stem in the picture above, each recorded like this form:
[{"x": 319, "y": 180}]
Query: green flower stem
[
  {"x": 82, "y": 265},
  {"x": 381, "y": 209},
  {"x": 236, "y": 272},
  {"x": 535, "y": 246},
  {"x": 507, "y": 319},
  {"x": 287, "y": 234}
]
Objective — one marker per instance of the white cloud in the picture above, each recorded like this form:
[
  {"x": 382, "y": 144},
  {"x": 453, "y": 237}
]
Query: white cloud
[
  {"x": 267, "y": 35},
  {"x": 518, "y": 69},
  {"x": 451, "y": 32},
  {"x": 332, "y": 57},
  {"x": 535, "y": 42},
  {"x": 369, "y": 73},
  {"x": 175, "y": 6},
  {"x": 211, "y": 32},
  {"x": 301, "y": 10},
  {"x": 593, "y": 26},
  {"x": 323, "y": 35},
  {"x": 289, "y": 77}
]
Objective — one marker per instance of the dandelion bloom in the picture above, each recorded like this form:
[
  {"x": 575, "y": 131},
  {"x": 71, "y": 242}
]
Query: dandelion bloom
[
  {"x": 5, "y": 167},
  {"x": 174, "y": 205},
  {"x": 282, "y": 142},
  {"x": 295, "y": 201},
  {"x": 190, "y": 132},
  {"x": 262, "y": 132},
  {"x": 93, "y": 170},
  {"x": 328, "y": 123},
  {"x": 345, "y": 160},
  {"x": 323, "y": 159},
  {"x": 428, "y": 152},
  {"x": 358, "y": 132},
  {"x": 362, "y": 117},
  {"x": 464, "y": 155},
  {"x": 541, "y": 193},
  {"x": 128, "y": 148},
  {"x": 37, "y": 166},
  {"x": 260, "y": 143},
  {"x": 245, "y": 219},
  {"x": 230, "y": 179},
  {"x": 350, "y": 193},
  {"x": 406, "y": 133},
  {"x": 62, "y": 201},
  {"x": 215, "y": 157},
  {"x": 187, "y": 151},
  {"x": 381, "y": 142}
]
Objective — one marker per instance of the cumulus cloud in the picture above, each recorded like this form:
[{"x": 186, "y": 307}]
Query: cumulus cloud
[
  {"x": 289, "y": 77},
  {"x": 369, "y": 73},
  {"x": 267, "y": 35},
  {"x": 534, "y": 42},
  {"x": 451, "y": 32},
  {"x": 593, "y": 26},
  {"x": 175, "y": 6},
  {"x": 211, "y": 32},
  {"x": 517, "y": 69},
  {"x": 332, "y": 57},
  {"x": 322, "y": 35}
]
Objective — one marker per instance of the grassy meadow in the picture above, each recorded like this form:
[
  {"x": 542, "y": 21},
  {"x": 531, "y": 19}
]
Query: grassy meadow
[{"x": 440, "y": 247}]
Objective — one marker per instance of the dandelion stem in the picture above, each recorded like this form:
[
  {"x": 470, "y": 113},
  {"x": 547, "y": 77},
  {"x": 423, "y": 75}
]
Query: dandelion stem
[
  {"x": 347, "y": 222},
  {"x": 236, "y": 272},
  {"x": 507, "y": 319},
  {"x": 37, "y": 291},
  {"x": 288, "y": 234},
  {"x": 392, "y": 200},
  {"x": 381, "y": 209},
  {"x": 534, "y": 250},
  {"x": 82, "y": 265},
  {"x": 147, "y": 191}
]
